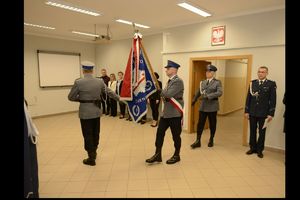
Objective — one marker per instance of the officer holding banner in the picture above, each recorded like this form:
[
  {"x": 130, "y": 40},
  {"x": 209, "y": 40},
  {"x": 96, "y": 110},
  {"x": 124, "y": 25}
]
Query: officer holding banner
[
  {"x": 87, "y": 91},
  {"x": 172, "y": 114}
]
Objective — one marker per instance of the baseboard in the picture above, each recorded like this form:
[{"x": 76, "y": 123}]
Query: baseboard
[
  {"x": 229, "y": 112},
  {"x": 275, "y": 150},
  {"x": 56, "y": 114}
]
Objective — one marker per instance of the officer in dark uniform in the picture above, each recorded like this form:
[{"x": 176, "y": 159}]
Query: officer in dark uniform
[
  {"x": 87, "y": 91},
  {"x": 172, "y": 114},
  {"x": 260, "y": 109},
  {"x": 210, "y": 90},
  {"x": 31, "y": 175}
]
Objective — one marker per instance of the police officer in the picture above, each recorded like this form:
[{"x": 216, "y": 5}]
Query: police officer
[
  {"x": 87, "y": 91},
  {"x": 172, "y": 114},
  {"x": 210, "y": 90},
  {"x": 260, "y": 108}
]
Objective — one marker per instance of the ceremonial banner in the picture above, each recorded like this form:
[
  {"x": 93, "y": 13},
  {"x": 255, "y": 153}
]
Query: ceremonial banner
[{"x": 139, "y": 81}]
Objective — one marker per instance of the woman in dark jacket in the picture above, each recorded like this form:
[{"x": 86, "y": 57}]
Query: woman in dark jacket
[{"x": 154, "y": 100}]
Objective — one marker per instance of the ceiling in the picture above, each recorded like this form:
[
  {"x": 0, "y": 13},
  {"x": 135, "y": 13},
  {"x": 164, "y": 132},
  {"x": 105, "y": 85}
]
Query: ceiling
[{"x": 158, "y": 14}]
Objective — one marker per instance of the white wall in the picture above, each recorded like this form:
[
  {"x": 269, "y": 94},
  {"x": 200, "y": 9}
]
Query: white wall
[
  {"x": 45, "y": 101},
  {"x": 261, "y": 35},
  {"x": 262, "y": 29}
]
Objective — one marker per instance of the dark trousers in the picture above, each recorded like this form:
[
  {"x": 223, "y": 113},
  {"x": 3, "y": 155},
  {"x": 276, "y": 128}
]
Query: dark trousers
[
  {"x": 113, "y": 107},
  {"x": 108, "y": 106},
  {"x": 103, "y": 103},
  {"x": 175, "y": 125},
  {"x": 257, "y": 145},
  {"x": 212, "y": 119},
  {"x": 90, "y": 131},
  {"x": 154, "y": 107},
  {"x": 122, "y": 108}
]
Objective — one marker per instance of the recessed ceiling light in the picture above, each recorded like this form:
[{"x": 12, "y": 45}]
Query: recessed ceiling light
[
  {"x": 87, "y": 34},
  {"x": 130, "y": 23},
  {"x": 194, "y": 9},
  {"x": 38, "y": 26},
  {"x": 69, "y": 6}
]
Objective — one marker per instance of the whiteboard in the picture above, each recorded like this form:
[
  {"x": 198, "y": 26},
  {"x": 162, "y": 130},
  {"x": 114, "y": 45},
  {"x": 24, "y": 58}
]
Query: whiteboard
[{"x": 58, "y": 68}]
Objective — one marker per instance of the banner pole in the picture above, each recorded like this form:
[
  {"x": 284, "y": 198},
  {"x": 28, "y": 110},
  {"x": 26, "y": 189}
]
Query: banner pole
[{"x": 152, "y": 73}]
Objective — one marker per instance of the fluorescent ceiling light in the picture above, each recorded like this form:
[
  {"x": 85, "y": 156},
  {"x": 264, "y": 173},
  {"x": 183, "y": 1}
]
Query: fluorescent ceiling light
[
  {"x": 194, "y": 9},
  {"x": 68, "y": 6},
  {"x": 87, "y": 34},
  {"x": 38, "y": 26},
  {"x": 130, "y": 23}
]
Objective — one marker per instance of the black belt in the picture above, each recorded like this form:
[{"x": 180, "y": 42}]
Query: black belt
[
  {"x": 214, "y": 99},
  {"x": 88, "y": 101}
]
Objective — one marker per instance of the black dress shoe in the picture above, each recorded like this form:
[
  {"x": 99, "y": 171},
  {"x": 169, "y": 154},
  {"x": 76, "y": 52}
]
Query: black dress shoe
[
  {"x": 196, "y": 144},
  {"x": 250, "y": 152},
  {"x": 156, "y": 157},
  {"x": 211, "y": 143},
  {"x": 173, "y": 159},
  {"x": 89, "y": 161},
  {"x": 260, "y": 154}
]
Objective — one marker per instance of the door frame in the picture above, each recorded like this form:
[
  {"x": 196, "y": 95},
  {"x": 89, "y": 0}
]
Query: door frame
[{"x": 248, "y": 79}]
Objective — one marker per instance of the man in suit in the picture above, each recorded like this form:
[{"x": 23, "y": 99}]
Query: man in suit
[
  {"x": 87, "y": 91},
  {"x": 172, "y": 114},
  {"x": 210, "y": 90},
  {"x": 105, "y": 100},
  {"x": 260, "y": 109},
  {"x": 118, "y": 91}
]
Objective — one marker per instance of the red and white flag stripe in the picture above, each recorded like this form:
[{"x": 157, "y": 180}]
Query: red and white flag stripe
[{"x": 178, "y": 106}]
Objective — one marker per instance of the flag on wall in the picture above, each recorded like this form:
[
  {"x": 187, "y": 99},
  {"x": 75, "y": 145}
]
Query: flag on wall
[{"x": 139, "y": 81}]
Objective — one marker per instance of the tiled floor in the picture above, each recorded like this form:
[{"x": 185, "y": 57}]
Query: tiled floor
[{"x": 222, "y": 171}]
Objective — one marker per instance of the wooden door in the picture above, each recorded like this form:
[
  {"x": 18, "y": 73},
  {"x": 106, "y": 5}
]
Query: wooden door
[{"x": 199, "y": 75}]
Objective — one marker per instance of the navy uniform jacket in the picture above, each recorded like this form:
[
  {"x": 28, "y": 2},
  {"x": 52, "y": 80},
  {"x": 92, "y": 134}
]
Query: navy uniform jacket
[{"x": 264, "y": 104}]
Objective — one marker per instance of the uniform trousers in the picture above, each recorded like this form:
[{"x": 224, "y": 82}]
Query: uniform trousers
[
  {"x": 212, "y": 118},
  {"x": 175, "y": 124},
  {"x": 90, "y": 131},
  {"x": 257, "y": 145}
]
